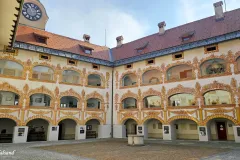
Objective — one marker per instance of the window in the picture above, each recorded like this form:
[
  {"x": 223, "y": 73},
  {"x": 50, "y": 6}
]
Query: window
[
  {"x": 40, "y": 38},
  {"x": 217, "y": 97},
  {"x": 154, "y": 126},
  {"x": 96, "y": 66},
  {"x": 211, "y": 48},
  {"x": 88, "y": 51},
  {"x": 177, "y": 56},
  {"x": 93, "y": 103},
  {"x": 72, "y": 62},
  {"x": 152, "y": 102},
  {"x": 42, "y": 73},
  {"x": 129, "y": 80},
  {"x": 193, "y": 126},
  {"x": 94, "y": 80},
  {"x": 150, "y": 61},
  {"x": 187, "y": 36},
  {"x": 40, "y": 100},
  {"x": 182, "y": 99},
  {"x": 128, "y": 66},
  {"x": 68, "y": 102},
  {"x": 10, "y": 68},
  {"x": 179, "y": 72},
  {"x": 159, "y": 125},
  {"x": 10, "y": 51},
  {"x": 44, "y": 57},
  {"x": 129, "y": 103},
  {"x": 151, "y": 77},
  {"x": 70, "y": 76},
  {"x": 213, "y": 66},
  {"x": 8, "y": 98},
  {"x": 238, "y": 64}
]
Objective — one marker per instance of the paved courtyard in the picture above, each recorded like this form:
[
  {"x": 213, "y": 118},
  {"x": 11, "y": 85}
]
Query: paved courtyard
[{"x": 115, "y": 149}]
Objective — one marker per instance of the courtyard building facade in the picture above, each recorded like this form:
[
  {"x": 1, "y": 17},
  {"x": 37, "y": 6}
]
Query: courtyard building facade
[{"x": 180, "y": 83}]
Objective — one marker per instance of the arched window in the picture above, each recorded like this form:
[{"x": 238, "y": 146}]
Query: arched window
[
  {"x": 152, "y": 102},
  {"x": 42, "y": 73},
  {"x": 151, "y": 77},
  {"x": 93, "y": 103},
  {"x": 179, "y": 72},
  {"x": 10, "y": 68},
  {"x": 217, "y": 97},
  {"x": 129, "y": 80},
  {"x": 70, "y": 76},
  {"x": 238, "y": 63},
  {"x": 182, "y": 99},
  {"x": 40, "y": 100},
  {"x": 8, "y": 98},
  {"x": 129, "y": 103},
  {"x": 94, "y": 80},
  {"x": 213, "y": 66},
  {"x": 68, "y": 102}
]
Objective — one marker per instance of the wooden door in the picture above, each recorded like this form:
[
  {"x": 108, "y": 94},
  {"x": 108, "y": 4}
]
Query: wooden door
[{"x": 222, "y": 132}]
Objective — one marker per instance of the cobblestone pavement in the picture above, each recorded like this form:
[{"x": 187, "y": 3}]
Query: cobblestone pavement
[{"x": 116, "y": 149}]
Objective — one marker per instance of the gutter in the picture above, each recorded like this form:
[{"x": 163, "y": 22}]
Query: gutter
[{"x": 110, "y": 55}]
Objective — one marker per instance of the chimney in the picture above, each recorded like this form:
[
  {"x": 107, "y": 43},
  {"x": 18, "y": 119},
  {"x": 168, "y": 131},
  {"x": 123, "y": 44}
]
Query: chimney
[
  {"x": 218, "y": 10},
  {"x": 119, "y": 41},
  {"x": 161, "y": 27},
  {"x": 86, "y": 38}
]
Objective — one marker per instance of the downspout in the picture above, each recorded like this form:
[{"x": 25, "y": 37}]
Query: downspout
[{"x": 111, "y": 59}]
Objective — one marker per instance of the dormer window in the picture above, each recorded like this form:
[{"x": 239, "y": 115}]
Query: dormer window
[
  {"x": 40, "y": 38},
  {"x": 72, "y": 62},
  {"x": 187, "y": 36},
  {"x": 44, "y": 57},
  {"x": 86, "y": 49},
  {"x": 177, "y": 56},
  {"x": 211, "y": 48},
  {"x": 150, "y": 61},
  {"x": 141, "y": 48}
]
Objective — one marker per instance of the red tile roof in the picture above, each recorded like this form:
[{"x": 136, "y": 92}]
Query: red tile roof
[
  {"x": 26, "y": 34},
  {"x": 204, "y": 29}
]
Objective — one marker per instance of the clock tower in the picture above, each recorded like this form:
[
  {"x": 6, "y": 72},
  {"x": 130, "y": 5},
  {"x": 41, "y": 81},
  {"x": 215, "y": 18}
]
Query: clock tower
[{"x": 34, "y": 14}]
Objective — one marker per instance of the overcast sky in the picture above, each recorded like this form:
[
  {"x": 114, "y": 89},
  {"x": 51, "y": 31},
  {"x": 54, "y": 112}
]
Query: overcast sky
[{"x": 132, "y": 19}]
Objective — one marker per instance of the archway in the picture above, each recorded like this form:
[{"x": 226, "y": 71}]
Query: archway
[
  {"x": 185, "y": 129},
  {"x": 220, "y": 129},
  {"x": 37, "y": 130},
  {"x": 66, "y": 129},
  {"x": 153, "y": 128},
  {"x": 129, "y": 80},
  {"x": 6, "y": 130},
  {"x": 131, "y": 126},
  {"x": 92, "y": 128}
]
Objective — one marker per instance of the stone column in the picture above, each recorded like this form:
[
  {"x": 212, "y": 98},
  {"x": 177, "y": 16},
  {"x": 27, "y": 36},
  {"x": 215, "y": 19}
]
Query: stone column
[
  {"x": 80, "y": 132},
  {"x": 104, "y": 131},
  {"x": 169, "y": 132},
  {"x": 119, "y": 131},
  {"x": 20, "y": 134},
  {"x": 52, "y": 133},
  {"x": 236, "y": 131},
  {"x": 142, "y": 130},
  {"x": 203, "y": 133}
]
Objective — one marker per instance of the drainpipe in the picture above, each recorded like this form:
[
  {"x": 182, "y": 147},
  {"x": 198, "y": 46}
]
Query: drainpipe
[{"x": 112, "y": 106}]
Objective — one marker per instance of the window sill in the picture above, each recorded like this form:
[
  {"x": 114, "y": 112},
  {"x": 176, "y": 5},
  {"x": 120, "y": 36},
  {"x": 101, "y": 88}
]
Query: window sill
[
  {"x": 124, "y": 87},
  {"x": 9, "y": 106},
  {"x": 183, "y": 107},
  {"x": 219, "y": 105},
  {"x": 101, "y": 87},
  {"x": 150, "y": 84},
  {"x": 215, "y": 75},
  {"x": 73, "y": 84},
  {"x": 179, "y": 80},
  {"x": 12, "y": 77},
  {"x": 39, "y": 80},
  {"x": 156, "y": 108}
]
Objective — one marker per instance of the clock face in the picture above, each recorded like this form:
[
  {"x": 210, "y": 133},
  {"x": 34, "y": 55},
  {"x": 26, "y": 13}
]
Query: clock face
[{"x": 31, "y": 11}]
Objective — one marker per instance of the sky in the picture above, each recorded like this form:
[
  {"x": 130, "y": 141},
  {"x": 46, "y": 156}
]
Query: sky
[{"x": 133, "y": 19}]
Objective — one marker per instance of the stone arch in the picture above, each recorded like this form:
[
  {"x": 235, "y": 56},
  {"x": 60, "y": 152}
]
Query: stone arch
[
  {"x": 8, "y": 87},
  {"x": 150, "y": 68},
  {"x": 207, "y": 119},
  {"x": 170, "y": 120},
  {"x": 102, "y": 77},
  {"x": 11, "y": 58},
  {"x": 15, "y": 119},
  {"x": 129, "y": 94},
  {"x": 71, "y": 93},
  {"x": 42, "y": 90},
  {"x": 124, "y": 119},
  {"x": 69, "y": 117},
  {"x": 236, "y": 57},
  {"x": 151, "y": 92},
  {"x": 48, "y": 119},
  {"x": 96, "y": 95},
  {"x": 101, "y": 121},
  {"x": 71, "y": 69},
  {"x": 126, "y": 73},
  {"x": 152, "y": 117}
]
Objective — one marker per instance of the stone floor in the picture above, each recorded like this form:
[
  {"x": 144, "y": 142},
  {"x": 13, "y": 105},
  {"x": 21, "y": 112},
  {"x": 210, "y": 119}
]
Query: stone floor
[{"x": 115, "y": 149}]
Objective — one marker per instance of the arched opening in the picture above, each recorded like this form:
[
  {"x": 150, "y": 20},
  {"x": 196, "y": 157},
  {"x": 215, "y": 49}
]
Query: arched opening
[
  {"x": 42, "y": 73},
  {"x": 70, "y": 76},
  {"x": 66, "y": 129},
  {"x": 129, "y": 103},
  {"x": 179, "y": 72},
  {"x": 238, "y": 63},
  {"x": 93, "y": 103},
  {"x": 39, "y": 99},
  {"x": 37, "y": 130},
  {"x": 92, "y": 128},
  {"x": 11, "y": 68},
  {"x": 217, "y": 97},
  {"x": 213, "y": 66},
  {"x": 152, "y": 102},
  {"x": 9, "y": 98},
  {"x": 185, "y": 129},
  {"x": 6, "y": 130},
  {"x": 94, "y": 80},
  {"x": 129, "y": 80},
  {"x": 131, "y": 126},
  {"x": 220, "y": 129},
  {"x": 68, "y": 102},
  {"x": 182, "y": 99},
  {"x": 151, "y": 77},
  {"x": 153, "y": 128}
]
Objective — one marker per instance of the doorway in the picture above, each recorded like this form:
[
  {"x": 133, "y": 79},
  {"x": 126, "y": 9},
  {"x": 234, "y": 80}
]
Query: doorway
[{"x": 221, "y": 130}]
